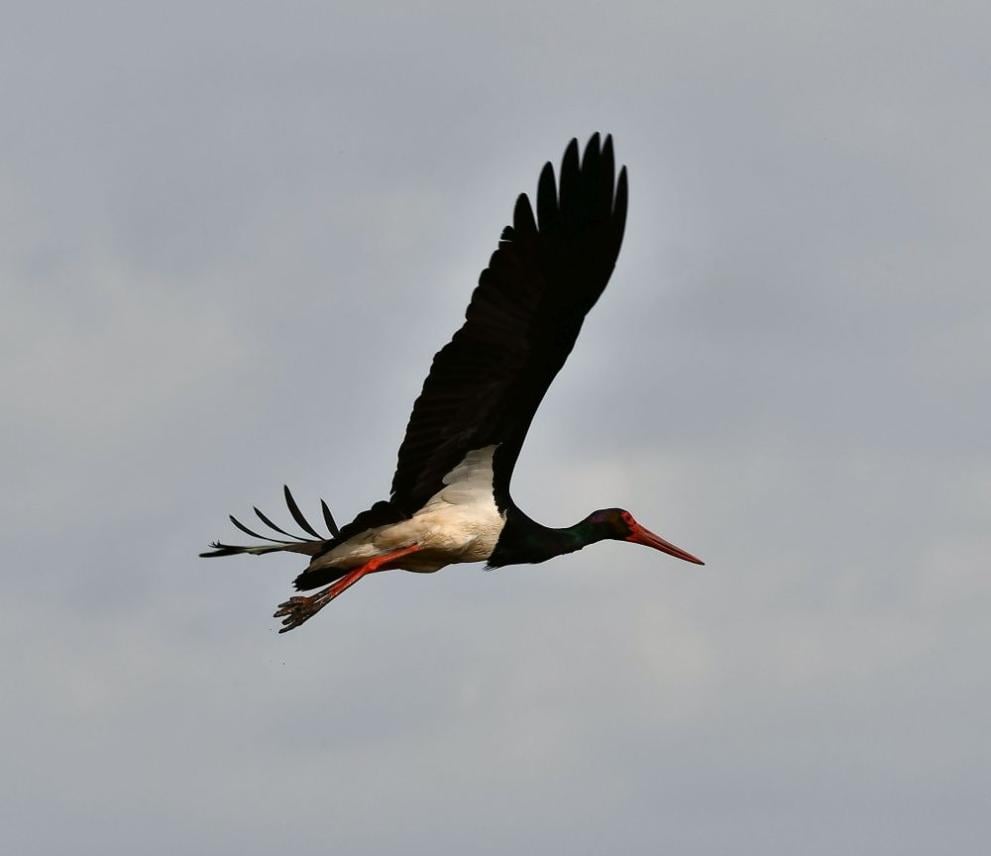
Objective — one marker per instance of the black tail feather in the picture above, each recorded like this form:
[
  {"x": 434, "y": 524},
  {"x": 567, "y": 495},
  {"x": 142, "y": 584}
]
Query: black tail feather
[{"x": 233, "y": 550}]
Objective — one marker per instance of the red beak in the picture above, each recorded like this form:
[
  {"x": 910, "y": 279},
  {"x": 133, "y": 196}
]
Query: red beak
[{"x": 639, "y": 535}]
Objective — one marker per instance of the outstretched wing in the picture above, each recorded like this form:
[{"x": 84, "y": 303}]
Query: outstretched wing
[{"x": 485, "y": 385}]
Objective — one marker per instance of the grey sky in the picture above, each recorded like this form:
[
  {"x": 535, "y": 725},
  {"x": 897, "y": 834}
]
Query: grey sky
[{"x": 231, "y": 238}]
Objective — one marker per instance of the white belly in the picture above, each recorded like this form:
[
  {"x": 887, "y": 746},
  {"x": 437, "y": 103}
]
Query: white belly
[{"x": 460, "y": 523}]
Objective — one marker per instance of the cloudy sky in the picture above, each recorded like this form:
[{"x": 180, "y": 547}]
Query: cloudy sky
[{"x": 231, "y": 237}]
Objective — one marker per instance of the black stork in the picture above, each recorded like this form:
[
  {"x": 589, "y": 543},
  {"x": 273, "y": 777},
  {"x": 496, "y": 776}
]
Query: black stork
[{"x": 450, "y": 497}]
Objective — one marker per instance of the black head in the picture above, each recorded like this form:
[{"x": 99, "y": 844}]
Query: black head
[{"x": 619, "y": 525}]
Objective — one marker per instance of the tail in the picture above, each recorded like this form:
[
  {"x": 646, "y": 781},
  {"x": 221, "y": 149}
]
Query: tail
[{"x": 299, "y": 544}]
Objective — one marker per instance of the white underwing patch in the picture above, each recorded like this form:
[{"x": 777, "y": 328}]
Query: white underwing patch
[{"x": 460, "y": 523}]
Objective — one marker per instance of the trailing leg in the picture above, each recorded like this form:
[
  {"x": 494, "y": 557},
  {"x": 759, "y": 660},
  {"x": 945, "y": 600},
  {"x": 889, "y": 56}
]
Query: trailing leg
[{"x": 300, "y": 609}]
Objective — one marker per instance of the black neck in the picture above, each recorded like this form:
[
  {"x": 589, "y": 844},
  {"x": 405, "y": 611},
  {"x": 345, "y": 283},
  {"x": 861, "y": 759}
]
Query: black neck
[{"x": 525, "y": 541}]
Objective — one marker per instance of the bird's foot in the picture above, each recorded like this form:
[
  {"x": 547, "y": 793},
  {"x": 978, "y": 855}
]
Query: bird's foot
[{"x": 300, "y": 609}]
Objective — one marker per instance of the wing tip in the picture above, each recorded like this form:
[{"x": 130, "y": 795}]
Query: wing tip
[{"x": 622, "y": 192}]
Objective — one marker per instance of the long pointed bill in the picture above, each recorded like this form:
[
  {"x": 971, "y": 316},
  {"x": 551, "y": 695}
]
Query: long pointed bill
[{"x": 639, "y": 535}]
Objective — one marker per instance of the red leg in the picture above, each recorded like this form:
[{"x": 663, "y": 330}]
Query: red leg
[{"x": 298, "y": 609}]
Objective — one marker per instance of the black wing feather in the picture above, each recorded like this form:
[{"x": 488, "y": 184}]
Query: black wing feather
[
  {"x": 279, "y": 529},
  {"x": 485, "y": 385},
  {"x": 247, "y": 531},
  {"x": 328, "y": 518},
  {"x": 297, "y": 515}
]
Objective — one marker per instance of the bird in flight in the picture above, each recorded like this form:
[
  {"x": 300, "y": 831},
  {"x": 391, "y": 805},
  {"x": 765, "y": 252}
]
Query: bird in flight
[{"x": 450, "y": 499}]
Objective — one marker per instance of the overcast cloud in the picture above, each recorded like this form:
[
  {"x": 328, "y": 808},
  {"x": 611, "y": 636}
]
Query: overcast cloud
[{"x": 232, "y": 235}]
